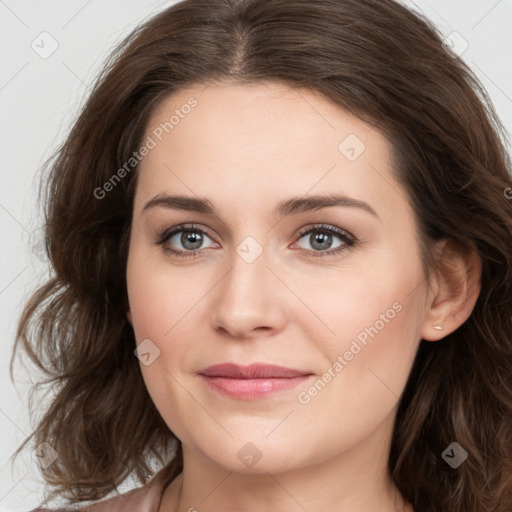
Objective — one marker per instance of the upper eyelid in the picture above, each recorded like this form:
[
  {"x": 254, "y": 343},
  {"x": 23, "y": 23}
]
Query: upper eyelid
[
  {"x": 327, "y": 227},
  {"x": 179, "y": 228}
]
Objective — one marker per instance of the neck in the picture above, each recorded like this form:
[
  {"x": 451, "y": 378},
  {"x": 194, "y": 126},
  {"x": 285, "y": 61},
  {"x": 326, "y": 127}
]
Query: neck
[{"x": 356, "y": 480}]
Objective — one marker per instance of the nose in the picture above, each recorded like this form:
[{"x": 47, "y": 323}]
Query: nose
[{"x": 250, "y": 300}]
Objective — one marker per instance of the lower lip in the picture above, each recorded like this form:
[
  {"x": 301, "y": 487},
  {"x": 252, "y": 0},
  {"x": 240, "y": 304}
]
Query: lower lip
[{"x": 252, "y": 389}]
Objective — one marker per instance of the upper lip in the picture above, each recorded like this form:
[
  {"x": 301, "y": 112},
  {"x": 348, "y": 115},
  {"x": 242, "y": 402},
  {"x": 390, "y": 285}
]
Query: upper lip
[{"x": 253, "y": 371}]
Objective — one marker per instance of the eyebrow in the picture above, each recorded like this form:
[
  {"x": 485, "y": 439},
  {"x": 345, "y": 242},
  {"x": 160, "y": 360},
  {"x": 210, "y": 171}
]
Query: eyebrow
[{"x": 287, "y": 207}]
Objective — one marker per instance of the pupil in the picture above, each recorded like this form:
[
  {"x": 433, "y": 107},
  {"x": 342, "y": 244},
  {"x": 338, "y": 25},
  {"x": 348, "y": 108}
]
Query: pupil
[
  {"x": 323, "y": 239},
  {"x": 191, "y": 238}
]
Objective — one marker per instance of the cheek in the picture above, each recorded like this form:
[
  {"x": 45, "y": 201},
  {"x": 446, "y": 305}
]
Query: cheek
[
  {"x": 160, "y": 307},
  {"x": 376, "y": 318},
  {"x": 377, "y": 351},
  {"x": 360, "y": 385},
  {"x": 159, "y": 300},
  {"x": 376, "y": 300}
]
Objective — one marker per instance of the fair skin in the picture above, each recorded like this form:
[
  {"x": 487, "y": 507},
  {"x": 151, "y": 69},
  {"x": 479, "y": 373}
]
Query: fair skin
[{"x": 246, "y": 148}]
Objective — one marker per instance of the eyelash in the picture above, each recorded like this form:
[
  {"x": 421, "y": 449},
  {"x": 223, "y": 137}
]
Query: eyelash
[{"x": 348, "y": 240}]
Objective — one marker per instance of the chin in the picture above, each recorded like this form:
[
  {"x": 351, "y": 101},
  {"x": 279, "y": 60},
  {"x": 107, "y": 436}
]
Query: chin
[{"x": 257, "y": 456}]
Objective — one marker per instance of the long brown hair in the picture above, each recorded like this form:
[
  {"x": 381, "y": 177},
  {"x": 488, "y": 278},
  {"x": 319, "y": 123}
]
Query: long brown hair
[{"x": 388, "y": 66}]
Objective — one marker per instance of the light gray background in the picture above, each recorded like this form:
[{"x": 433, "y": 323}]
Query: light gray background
[{"x": 39, "y": 98}]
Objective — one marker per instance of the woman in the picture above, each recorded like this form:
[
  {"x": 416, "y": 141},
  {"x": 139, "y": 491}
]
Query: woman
[{"x": 297, "y": 216}]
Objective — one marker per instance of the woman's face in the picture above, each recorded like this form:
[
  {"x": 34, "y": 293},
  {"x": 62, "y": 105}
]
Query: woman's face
[{"x": 302, "y": 254}]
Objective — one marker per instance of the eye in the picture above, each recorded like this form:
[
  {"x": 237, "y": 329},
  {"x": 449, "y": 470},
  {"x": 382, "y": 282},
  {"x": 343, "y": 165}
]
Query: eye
[
  {"x": 189, "y": 240},
  {"x": 189, "y": 236},
  {"x": 321, "y": 240}
]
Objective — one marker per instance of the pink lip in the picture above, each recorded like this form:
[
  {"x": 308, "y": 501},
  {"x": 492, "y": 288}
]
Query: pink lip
[
  {"x": 253, "y": 371},
  {"x": 251, "y": 382}
]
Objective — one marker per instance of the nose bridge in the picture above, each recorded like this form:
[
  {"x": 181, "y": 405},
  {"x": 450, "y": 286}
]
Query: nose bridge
[
  {"x": 247, "y": 297},
  {"x": 247, "y": 282}
]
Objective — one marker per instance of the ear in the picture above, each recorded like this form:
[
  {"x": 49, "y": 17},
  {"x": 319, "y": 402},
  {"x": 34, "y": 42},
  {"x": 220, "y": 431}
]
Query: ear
[
  {"x": 129, "y": 316},
  {"x": 454, "y": 289}
]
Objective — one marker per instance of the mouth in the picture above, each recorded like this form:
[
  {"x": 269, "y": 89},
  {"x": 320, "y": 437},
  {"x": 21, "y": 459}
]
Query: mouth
[{"x": 251, "y": 382}]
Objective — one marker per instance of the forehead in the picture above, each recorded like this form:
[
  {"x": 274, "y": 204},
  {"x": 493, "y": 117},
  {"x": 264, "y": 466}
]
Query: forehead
[{"x": 263, "y": 141}]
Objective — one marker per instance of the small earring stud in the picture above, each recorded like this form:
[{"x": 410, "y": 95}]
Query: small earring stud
[{"x": 438, "y": 327}]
